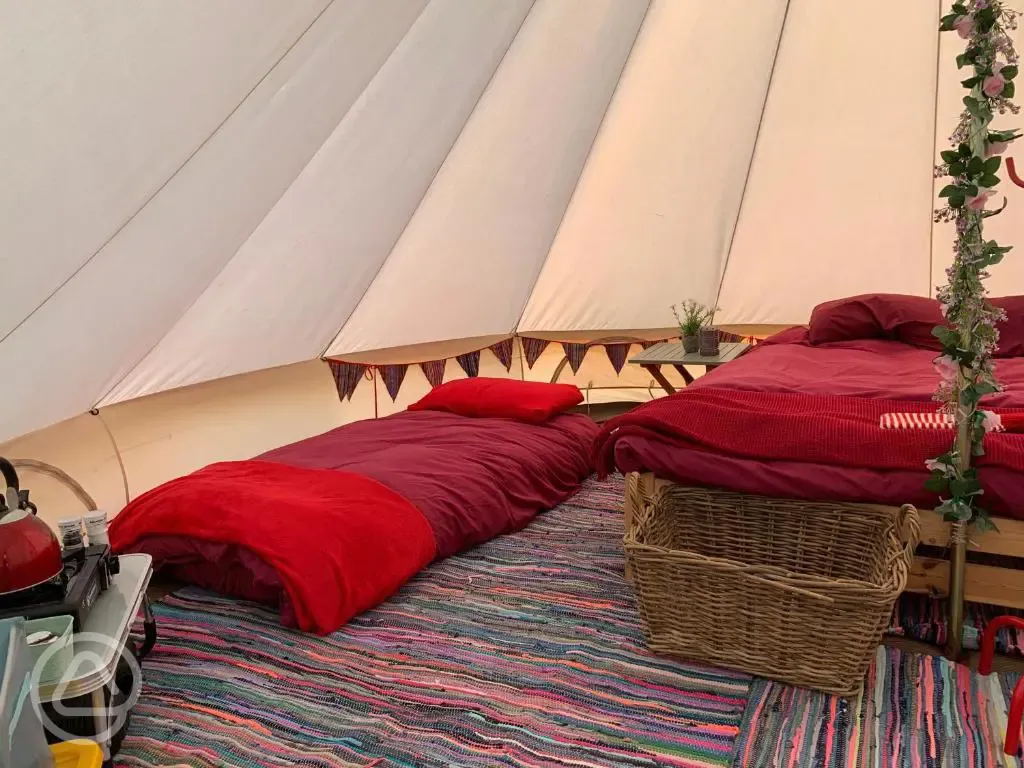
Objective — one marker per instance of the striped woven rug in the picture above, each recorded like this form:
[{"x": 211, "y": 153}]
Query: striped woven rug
[
  {"x": 920, "y": 617},
  {"x": 916, "y": 711},
  {"x": 526, "y": 651}
]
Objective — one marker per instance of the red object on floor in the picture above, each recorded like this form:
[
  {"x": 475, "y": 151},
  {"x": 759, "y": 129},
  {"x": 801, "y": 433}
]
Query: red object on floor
[
  {"x": 988, "y": 649},
  {"x": 340, "y": 542}
]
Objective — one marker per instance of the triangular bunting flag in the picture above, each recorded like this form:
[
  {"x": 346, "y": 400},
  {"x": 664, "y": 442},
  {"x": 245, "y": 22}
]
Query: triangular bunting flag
[
  {"x": 575, "y": 352},
  {"x": 470, "y": 363},
  {"x": 434, "y": 371},
  {"x": 617, "y": 354},
  {"x": 346, "y": 377},
  {"x": 503, "y": 351},
  {"x": 393, "y": 376},
  {"x": 533, "y": 349}
]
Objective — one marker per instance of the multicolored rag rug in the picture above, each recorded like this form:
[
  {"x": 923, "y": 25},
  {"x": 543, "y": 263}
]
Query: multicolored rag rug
[
  {"x": 923, "y": 618},
  {"x": 526, "y": 651},
  {"x": 916, "y": 711}
]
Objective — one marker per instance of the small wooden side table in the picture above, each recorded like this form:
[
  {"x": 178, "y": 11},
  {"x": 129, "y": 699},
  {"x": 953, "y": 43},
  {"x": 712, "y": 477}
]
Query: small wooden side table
[{"x": 670, "y": 353}]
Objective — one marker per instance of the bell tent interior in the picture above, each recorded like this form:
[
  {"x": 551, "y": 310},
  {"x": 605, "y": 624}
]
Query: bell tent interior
[
  {"x": 203, "y": 200},
  {"x": 226, "y": 227}
]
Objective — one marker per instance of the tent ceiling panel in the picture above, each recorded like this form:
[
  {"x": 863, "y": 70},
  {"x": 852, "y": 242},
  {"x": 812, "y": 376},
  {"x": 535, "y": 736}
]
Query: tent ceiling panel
[
  {"x": 468, "y": 260},
  {"x": 101, "y": 105},
  {"x": 839, "y": 197},
  {"x": 651, "y": 219},
  {"x": 292, "y": 284},
  {"x": 101, "y": 323}
]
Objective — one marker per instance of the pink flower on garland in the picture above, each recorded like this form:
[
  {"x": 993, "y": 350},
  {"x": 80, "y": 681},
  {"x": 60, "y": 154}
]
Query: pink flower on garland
[
  {"x": 996, "y": 148},
  {"x": 947, "y": 367},
  {"x": 977, "y": 203},
  {"x": 994, "y": 83},
  {"x": 992, "y": 421},
  {"x": 964, "y": 26},
  {"x": 934, "y": 465}
]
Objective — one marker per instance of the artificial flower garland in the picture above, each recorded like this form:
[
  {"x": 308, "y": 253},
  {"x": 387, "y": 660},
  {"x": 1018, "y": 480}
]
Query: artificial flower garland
[{"x": 965, "y": 367}]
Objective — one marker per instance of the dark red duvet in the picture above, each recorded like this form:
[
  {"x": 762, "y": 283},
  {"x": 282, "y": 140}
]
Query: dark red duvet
[
  {"x": 870, "y": 369},
  {"x": 332, "y": 525}
]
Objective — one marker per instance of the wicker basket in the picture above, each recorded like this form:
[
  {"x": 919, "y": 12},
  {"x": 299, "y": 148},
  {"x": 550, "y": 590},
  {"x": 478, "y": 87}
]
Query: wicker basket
[{"x": 796, "y": 591}]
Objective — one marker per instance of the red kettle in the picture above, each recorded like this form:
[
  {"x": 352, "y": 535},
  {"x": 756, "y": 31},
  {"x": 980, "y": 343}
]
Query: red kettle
[{"x": 29, "y": 551}]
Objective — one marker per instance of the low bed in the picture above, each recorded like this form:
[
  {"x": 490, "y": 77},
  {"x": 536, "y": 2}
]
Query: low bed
[
  {"x": 330, "y": 526},
  {"x": 797, "y": 417}
]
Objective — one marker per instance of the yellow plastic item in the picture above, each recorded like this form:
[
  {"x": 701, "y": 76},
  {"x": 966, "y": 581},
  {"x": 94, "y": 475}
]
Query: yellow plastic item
[{"x": 80, "y": 753}]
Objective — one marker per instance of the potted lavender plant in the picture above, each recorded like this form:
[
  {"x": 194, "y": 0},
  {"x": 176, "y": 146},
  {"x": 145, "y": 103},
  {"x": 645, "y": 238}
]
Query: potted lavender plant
[{"x": 691, "y": 316}]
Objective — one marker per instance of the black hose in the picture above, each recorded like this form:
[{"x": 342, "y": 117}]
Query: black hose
[{"x": 9, "y": 473}]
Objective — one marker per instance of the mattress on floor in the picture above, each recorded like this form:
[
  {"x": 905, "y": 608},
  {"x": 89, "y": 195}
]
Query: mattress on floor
[
  {"x": 873, "y": 369},
  {"x": 330, "y": 526}
]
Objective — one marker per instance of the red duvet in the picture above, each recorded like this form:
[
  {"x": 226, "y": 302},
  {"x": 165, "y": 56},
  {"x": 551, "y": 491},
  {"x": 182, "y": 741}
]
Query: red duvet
[
  {"x": 768, "y": 452},
  {"x": 330, "y": 526}
]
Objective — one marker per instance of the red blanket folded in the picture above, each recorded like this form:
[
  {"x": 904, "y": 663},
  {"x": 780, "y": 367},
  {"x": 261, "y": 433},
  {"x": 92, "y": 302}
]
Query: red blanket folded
[
  {"x": 348, "y": 543},
  {"x": 824, "y": 429}
]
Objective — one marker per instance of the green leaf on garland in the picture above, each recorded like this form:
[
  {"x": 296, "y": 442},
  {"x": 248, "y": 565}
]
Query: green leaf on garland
[
  {"x": 986, "y": 388},
  {"x": 1009, "y": 72},
  {"x": 959, "y": 9},
  {"x": 975, "y": 166},
  {"x": 957, "y": 201},
  {"x": 963, "y": 60},
  {"x": 970, "y": 82},
  {"x": 965, "y": 488},
  {"x": 1009, "y": 90},
  {"x": 983, "y": 521},
  {"x": 936, "y": 483},
  {"x": 992, "y": 164},
  {"x": 1003, "y": 136},
  {"x": 957, "y": 168},
  {"x": 965, "y": 149},
  {"x": 971, "y": 190},
  {"x": 989, "y": 180},
  {"x": 949, "y": 156},
  {"x": 948, "y": 338},
  {"x": 949, "y": 190},
  {"x": 954, "y": 509}
]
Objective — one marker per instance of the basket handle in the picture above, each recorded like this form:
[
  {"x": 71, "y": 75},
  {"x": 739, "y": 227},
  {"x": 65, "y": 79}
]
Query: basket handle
[{"x": 910, "y": 529}]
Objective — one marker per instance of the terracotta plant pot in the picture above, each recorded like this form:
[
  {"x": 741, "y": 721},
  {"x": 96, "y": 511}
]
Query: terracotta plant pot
[
  {"x": 691, "y": 344},
  {"x": 709, "y": 342}
]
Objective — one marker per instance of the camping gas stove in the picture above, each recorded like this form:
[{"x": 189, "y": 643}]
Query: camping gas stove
[{"x": 72, "y": 592}]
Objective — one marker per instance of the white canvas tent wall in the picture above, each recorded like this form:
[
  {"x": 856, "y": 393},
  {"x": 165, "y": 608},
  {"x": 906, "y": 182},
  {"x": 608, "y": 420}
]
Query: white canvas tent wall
[{"x": 199, "y": 200}]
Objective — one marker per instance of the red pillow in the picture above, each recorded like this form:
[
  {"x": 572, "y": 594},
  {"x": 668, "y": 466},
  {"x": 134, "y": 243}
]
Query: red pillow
[
  {"x": 1011, "y": 330},
  {"x": 909, "y": 319},
  {"x": 844, "y": 320},
  {"x": 531, "y": 401}
]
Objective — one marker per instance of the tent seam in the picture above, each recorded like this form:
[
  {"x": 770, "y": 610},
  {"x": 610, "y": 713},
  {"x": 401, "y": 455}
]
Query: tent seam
[
  {"x": 583, "y": 168},
  {"x": 753, "y": 154},
  {"x": 166, "y": 181},
  {"x": 426, "y": 190}
]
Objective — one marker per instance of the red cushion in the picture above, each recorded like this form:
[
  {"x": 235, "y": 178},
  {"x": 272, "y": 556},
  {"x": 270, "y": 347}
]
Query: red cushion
[
  {"x": 531, "y": 401},
  {"x": 909, "y": 319},
  {"x": 844, "y": 320},
  {"x": 1011, "y": 330}
]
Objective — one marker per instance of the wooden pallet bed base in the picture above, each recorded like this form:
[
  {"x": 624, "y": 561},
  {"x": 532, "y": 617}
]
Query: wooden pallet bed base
[{"x": 936, "y": 576}]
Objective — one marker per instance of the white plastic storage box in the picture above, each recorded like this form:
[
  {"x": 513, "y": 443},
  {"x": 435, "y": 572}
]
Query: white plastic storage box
[
  {"x": 22, "y": 739},
  {"x": 57, "y": 659}
]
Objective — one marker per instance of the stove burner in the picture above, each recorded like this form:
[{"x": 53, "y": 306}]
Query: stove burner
[{"x": 72, "y": 592}]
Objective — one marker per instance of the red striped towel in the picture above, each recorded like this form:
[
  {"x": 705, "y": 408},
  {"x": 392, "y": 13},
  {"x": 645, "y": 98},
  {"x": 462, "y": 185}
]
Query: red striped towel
[{"x": 1007, "y": 422}]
